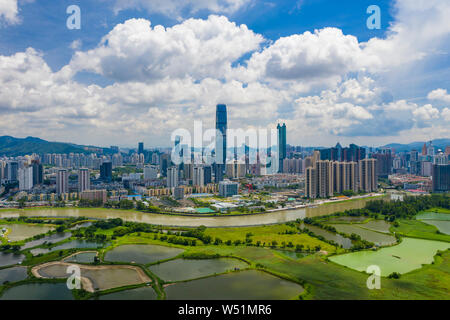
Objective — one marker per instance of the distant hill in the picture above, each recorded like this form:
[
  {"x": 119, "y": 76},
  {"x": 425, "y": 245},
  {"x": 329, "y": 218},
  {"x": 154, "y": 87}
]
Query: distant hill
[
  {"x": 10, "y": 146},
  {"x": 438, "y": 143}
]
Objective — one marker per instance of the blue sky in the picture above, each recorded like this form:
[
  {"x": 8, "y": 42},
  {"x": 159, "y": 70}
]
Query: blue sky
[
  {"x": 43, "y": 24},
  {"x": 311, "y": 63}
]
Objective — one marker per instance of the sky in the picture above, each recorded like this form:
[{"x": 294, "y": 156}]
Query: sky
[{"x": 137, "y": 70}]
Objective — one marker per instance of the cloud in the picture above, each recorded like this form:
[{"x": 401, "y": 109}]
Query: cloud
[
  {"x": 324, "y": 84},
  {"x": 420, "y": 31},
  {"x": 76, "y": 44},
  {"x": 177, "y": 9},
  {"x": 9, "y": 12},
  {"x": 195, "y": 48},
  {"x": 440, "y": 95},
  {"x": 324, "y": 54}
]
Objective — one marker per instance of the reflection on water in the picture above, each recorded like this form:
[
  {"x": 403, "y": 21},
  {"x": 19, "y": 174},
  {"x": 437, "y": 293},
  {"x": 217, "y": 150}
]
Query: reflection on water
[
  {"x": 12, "y": 274},
  {"x": 38, "y": 291},
  {"x": 187, "y": 221},
  {"x": 244, "y": 285},
  {"x": 7, "y": 259}
]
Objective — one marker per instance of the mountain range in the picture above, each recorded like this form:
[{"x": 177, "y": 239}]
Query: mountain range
[
  {"x": 438, "y": 143},
  {"x": 10, "y": 146}
]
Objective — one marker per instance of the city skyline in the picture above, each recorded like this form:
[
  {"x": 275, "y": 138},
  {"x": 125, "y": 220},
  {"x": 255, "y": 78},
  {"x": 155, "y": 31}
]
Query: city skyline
[{"x": 317, "y": 68}]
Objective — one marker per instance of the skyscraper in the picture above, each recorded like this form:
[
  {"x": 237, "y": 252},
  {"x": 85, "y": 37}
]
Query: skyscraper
[
  {"x": 368, "y": 175},
  {"x": 12, "y": 169},
  {"x": 172, "y": 177},
  {"x": 106, "y": 171},
  {"x": 141, "y": 148},
  {"x": 25, "y": 176},
  {"x": 198, "y": 178},
  {"x": 84, "y": 181},
  {"x": 38, "y": 172},
  {"x": 281, "y": 145},
  {"x": 441, "y": 177},
  {"x": 221, "y": 138},
  {"x": 62, "y": 181}
]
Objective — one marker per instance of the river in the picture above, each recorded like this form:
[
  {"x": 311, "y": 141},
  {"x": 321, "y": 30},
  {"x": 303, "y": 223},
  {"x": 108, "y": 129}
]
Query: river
[{"x": 275, "y": 217}]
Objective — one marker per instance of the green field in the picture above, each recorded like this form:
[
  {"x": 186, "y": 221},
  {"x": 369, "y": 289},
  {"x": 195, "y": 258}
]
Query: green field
[{"x": 267, "y": 234}]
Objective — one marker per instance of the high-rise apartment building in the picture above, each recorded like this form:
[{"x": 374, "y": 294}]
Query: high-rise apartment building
[
  {"x": 84, "y": 180},
  {"x": 62, "y": 181},
  {"x": 25, "y": 176},
  {"x": 172, "y": 177},
  {"x": 150, "y": 172},
  {"x": 198, "y": 178},
  {"x": 325, "y": 178},
  {"x": 368, "y": 175}
]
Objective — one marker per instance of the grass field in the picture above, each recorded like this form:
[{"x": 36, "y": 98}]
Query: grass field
[{"x": 267, "y": 234}]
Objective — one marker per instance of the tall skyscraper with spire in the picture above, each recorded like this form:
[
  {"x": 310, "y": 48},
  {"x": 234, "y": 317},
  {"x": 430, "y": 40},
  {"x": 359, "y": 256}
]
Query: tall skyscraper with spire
[{"x": 221, "y": 141}]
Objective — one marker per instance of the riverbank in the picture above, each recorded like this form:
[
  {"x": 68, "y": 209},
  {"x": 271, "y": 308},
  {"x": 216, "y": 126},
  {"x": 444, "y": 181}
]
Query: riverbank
[{"x": 276, "y": 216}]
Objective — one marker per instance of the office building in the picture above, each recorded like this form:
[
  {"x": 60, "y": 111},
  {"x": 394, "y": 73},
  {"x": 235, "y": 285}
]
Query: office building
[
  {"x": 141, "y": 148},
  {"x": 281, "y": 129},
  {"x": 352, "y": 153},
  {"x": 12, "y": 170},
  {"x": 221, "y": 134},
  {"x": 384, "y": 163},
  {"x": 228, "y": 188},
  {"x": 106, "y": 171},
  {"x": 38, "y": 172},
  {"x": 164, "y": 163},
  {"x": 441, "y": 178}
]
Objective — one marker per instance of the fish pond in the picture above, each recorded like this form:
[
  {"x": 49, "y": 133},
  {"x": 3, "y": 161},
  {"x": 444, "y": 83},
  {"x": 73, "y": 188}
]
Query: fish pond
[
  {"x": 438, "y": 219},
  {"x": 83, "y": 257},
  {"x": 377, "y": 238},
  {"x": 141, "y": 253},
  {"x": 54, "y": 238},
  {"x": 346, "y": 243},
  {"x": 7, "y": 259},
  {"x": 19, "y": 232},
  {"x": 101, "y": 277},
  {"x": 243, "y": 285},
  {"x": 409, "y": 255},
  {"x": 184, "y": 269},
  {"x": 69, "y": 245},
  {"x": 143, "y": 293},
  {"x": 13, "y": 274},
  {"x": 38, "y": 291}
]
